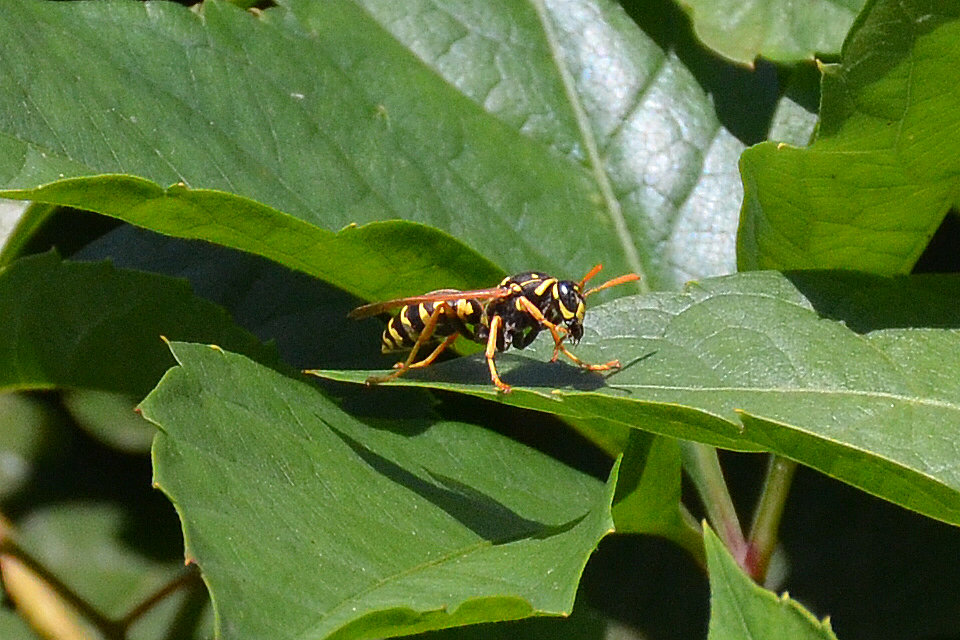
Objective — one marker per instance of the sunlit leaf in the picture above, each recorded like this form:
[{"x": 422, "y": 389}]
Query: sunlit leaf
[
  {"x": 551, "y": 135},
  {"x": 777, "y": 30},
  {"x": 869, "y": 193},
  {"x": 745, "y": 362}
]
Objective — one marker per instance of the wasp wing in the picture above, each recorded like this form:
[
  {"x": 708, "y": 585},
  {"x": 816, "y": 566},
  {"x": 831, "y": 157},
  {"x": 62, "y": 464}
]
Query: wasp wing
[{"x": 441, "y": 295}]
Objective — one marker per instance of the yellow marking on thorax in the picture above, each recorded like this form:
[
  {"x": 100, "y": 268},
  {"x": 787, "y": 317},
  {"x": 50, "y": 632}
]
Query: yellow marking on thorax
[{"x": 546, "y": 284}]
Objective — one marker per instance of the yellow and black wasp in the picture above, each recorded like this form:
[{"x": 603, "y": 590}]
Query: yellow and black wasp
[{"x": 511, "y": 314}]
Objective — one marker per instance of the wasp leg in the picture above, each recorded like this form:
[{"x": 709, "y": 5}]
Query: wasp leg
[
  {"x": 558, "y": 339},
  {"x": 428, "y": 328},
  {"x": 557, "y": 344},
  {"x": 491, "y": 353},
  {"x": 426, "y": 362}
]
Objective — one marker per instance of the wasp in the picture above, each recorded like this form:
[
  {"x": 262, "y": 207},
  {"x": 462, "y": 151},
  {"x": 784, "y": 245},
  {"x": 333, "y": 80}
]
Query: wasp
[{"x": 511, "y": 314}]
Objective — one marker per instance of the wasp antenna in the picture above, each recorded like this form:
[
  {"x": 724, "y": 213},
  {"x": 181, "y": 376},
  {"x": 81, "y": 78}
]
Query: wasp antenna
[
  {"x": 628, "y": 277},
  {"x": 590, "y": 274}
]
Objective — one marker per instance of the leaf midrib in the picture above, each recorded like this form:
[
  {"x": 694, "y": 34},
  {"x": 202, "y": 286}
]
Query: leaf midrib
[
  {"x": 602, "y": 180},
  {"x": 461, "y": 552}
]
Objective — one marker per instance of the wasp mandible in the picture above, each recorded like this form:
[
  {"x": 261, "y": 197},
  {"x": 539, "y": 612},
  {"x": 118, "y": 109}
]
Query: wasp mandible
[{"x": 511, "y": 314}]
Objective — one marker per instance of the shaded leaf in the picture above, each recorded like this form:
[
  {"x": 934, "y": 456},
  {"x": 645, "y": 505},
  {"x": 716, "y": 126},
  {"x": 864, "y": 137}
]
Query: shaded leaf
[
  {"x": 27, "y": 434},
  {"x": 795, "y": 117},
  {"x": 746, "y": 363},
  {"x": 583, "y": 624},
  {"x": 647, "y": 499},
  {"x": 648, "y": 491},
  {"x": 742, "y": 610},
  {"x": 305, "y": 317},
  {"x": 869, "y": 193},
  {"x": 777, "y": 30},
  {"x": 363, "y": 530},
  {"x": 93, "y": 326},
  {"x": 110, "y": 418}
]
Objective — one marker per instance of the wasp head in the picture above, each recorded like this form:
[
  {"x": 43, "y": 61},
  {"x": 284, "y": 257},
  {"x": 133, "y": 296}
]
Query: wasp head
[{"x": 570, "y": 304}]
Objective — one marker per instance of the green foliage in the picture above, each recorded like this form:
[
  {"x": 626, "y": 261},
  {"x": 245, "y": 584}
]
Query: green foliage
[
  {"x": 872, "y": 189},
  {"x": 777, "y": 30},
  {"x": 361, "y": 515},
  {"x": 746, "y": 611},
  {"x": 270, "y": 169},
  {"x": 491, "y": 123},
  {"x": 77, "y": 325},
  {"x": 877, "y": 410}
]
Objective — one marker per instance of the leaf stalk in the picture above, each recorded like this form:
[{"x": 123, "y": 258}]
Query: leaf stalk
[
  {"x": 702, "y": 465},
  {"x": 762, "y": 541}
]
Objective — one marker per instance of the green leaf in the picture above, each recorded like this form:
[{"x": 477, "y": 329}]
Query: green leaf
[
  {"x": 305, "y": 317},
  {"x": 869, "y": 193},
  {"x": 778, "y": 30},
  {"x": 647, "y": 499},
  {"x": 13, "y": 627},
  {"x": 355, "y": 259},
  {"x": 648, "y": 490},
  {"x": 742, "y": 610},
  {"x": 584, "y": 624},
  {"x": 109, "y": 417},
  {"x": 93, "y": 326},
  {"x": 19, "y": 222},
  {"x": 551, "y": 135},
  {"x": 746, "y": 363},
  {"x": 28, "y": 433},
  {"x": 795, "y": 117},
  {"x": 360, "y": 529}
]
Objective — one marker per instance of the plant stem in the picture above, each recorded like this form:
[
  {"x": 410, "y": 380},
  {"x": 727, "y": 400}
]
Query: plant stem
[
  {"x": 702, "y": 465},
  {"x": 766, "y": 519},
  {"x": 107, "y": 627},
  {"x": 184, "y": 579},
  {"x": 110, "y": 629}
]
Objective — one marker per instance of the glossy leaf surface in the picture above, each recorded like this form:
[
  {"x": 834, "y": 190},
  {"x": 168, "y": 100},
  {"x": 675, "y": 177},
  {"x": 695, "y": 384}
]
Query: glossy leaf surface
[
  {"x": 551, "y": 135},
  {"x": 777, "y": 30},
  {"x": 745, "y": 362}
]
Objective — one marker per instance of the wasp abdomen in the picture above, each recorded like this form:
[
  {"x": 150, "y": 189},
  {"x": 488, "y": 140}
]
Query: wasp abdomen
[{"x": 405, "y": 328}]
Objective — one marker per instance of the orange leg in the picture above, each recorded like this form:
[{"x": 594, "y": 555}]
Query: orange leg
[
  {"x": 556, "y": 344},
  {"x": 449, "y": 340},
  {"x": 428, "y": 328},
  {"x": 558, "y": 339},
  {"x": 491, "y": 352}
]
